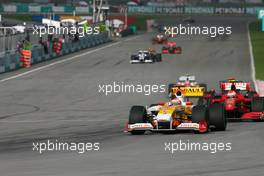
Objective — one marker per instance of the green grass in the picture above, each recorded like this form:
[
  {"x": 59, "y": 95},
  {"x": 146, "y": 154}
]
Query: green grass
[
  {"x": 20, "y": 17},
  {"x": 257, "y": 40}
]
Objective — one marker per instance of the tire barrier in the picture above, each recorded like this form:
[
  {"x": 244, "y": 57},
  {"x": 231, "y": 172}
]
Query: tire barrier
[
  {"x": 26, "y": 58},
  {"x": 13, "y": 60}
]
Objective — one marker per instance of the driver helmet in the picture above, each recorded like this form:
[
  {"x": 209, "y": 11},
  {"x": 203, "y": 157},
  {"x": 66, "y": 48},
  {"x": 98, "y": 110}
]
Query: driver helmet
[
  {"x": 233, "y": 87},
  {"x": 187, "y": 82}
]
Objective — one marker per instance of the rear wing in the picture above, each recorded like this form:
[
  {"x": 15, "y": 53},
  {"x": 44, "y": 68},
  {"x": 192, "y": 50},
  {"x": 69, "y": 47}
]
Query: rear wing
[
  {"x": 225, "y": 86},
  {"x": 171, "y": 43},
  {"x": 189, "y": 91},
  {"x": 184, "y": 78}
]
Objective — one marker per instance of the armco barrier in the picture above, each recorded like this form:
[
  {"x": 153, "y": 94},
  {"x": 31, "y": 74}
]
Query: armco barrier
[
  {"x": 11, "y": 60},
  {"x": 2, "y": 64}
]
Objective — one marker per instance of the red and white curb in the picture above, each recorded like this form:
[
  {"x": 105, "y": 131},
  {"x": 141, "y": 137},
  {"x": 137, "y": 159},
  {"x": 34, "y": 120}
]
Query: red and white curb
[{"x": 260, "y": 85}]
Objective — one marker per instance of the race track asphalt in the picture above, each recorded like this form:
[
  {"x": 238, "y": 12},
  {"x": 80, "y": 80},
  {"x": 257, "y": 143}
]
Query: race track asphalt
[{"x": 62, "y": 102}]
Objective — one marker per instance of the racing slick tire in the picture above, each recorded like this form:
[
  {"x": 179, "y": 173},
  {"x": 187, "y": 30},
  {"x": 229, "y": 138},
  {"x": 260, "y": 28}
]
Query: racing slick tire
[
  {"x": 200, "y": 114},
  {"x": 257, "y": 104},
  {"x": 217, "y": 117},
  {"x": 137, "y": 114},
  {"x": 158, "y": 58}
]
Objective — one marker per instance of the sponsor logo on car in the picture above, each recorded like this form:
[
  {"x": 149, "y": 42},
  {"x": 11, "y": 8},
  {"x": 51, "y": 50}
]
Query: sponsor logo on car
[{"x": 190, "y": 91}]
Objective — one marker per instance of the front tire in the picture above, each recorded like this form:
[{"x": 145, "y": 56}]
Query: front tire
[
  {"x": 138, "y": 114},
  {"x": 200, "y": 114},
  {"x": 217, "y": 117}
]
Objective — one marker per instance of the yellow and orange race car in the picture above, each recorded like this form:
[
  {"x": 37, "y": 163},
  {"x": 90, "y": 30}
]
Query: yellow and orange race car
[{"x": 178, "y": 114}]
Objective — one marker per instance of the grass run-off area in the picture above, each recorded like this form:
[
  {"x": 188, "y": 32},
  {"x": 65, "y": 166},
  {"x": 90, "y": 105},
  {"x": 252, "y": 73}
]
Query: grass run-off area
[{"x": 257, "y": 40}]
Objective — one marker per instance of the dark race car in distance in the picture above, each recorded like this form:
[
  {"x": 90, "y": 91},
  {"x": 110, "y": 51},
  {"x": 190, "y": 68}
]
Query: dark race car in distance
[{"x": 146, "y": 56}]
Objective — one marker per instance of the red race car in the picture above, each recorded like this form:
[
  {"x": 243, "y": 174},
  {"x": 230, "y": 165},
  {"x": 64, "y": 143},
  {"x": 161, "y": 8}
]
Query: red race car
[
  {"x": 171, "y": 47},
  {"x": 159, "y": 39},
  {"x": 239, "y": 101}
]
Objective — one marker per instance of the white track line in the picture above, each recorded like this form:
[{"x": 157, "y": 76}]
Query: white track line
[
  {"x": 253, "y": 70},
  {"x": 57, "y": 62}
]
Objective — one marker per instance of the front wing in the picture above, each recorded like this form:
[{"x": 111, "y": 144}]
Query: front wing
[
  {"x": 171, "y": 51},
  {"x": 253, "y": 115},
  {"x": 138, "y": 61},
  {"x": 201, "y": 127}
]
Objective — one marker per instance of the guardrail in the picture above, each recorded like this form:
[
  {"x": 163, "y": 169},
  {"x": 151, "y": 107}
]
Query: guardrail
[{"x": 11, "y": 60}]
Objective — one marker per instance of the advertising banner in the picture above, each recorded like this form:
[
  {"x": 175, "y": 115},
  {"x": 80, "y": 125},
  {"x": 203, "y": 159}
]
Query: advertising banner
[
  {"x": 169, "y": 10},
  {"x": 209, "y": 10},
  {"x": 141, "y": 9},
  {"x": 229, "y": 10}
]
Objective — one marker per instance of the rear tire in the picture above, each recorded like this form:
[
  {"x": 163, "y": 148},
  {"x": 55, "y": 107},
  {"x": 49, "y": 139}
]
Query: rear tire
[
  {"x": 137, "y": 114},
  {"x": 217, "y": 117},
  {"x": 257, "y": 104},
  {"x": 201, "y": 101},
  {"x": 251, "y": 94}
]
